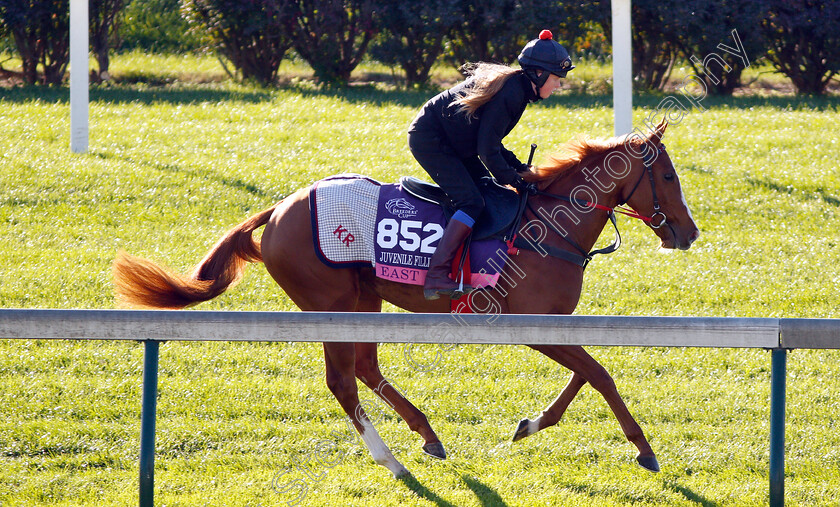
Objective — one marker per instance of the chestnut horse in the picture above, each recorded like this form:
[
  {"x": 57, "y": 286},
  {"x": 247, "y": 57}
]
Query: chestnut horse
[{"x": 608, "y": 172}]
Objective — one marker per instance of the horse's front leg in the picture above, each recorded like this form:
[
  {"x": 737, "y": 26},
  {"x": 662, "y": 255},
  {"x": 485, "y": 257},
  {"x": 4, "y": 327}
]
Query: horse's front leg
[{"x": 580, "y": 362}]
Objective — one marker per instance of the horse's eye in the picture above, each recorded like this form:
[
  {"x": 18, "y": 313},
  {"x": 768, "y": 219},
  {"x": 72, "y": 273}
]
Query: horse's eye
[{"x": 669, "y": 176}]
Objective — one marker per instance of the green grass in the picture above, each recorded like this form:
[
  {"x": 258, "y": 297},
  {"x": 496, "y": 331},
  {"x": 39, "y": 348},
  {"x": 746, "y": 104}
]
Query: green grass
[{"x": 170, "y": 168}]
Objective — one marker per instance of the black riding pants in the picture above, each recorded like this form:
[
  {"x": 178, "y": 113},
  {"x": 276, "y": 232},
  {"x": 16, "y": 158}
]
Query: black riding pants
[{"x": 455, "y": 175}]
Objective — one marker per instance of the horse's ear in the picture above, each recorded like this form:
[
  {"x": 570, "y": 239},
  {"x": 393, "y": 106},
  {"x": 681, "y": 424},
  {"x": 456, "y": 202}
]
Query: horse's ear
[{"x": 656, "y": 135}]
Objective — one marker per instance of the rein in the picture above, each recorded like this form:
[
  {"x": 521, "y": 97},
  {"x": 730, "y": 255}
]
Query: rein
[{"x": 583, "y": 257}]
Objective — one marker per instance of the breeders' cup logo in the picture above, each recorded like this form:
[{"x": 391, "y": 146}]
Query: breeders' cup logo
[{"x": 400, "y": 207}]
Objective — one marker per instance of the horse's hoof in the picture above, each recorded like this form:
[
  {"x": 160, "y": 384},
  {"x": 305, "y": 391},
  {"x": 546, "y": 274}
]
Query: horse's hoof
[
  {"x": 522, "y": 430},
  {"x": 435, "y": 450},
  {"x": 400, "y": 472},
  {"x": 648, "y": 463}
]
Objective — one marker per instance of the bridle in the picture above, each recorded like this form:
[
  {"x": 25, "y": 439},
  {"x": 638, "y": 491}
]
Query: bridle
[
  {"x": 515, "y": 242},
  {"x": 648, "y": 161}
]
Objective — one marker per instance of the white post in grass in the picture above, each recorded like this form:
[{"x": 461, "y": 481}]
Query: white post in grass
[
  {"x": 622, "y": 60},
  {"x": 79, "y": 76}
]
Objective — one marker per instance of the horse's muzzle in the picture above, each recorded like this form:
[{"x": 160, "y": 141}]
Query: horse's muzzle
[
  {"x": 678, "y": 243},
  {"x": 691, "y": 239}
]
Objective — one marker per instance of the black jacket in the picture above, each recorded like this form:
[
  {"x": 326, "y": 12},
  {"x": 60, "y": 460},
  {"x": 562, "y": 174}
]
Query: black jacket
[{"x": 482, "y": 135}]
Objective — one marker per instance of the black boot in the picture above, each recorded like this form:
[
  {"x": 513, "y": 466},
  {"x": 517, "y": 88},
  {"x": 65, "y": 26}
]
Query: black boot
[{"x": 437, "y": 278}]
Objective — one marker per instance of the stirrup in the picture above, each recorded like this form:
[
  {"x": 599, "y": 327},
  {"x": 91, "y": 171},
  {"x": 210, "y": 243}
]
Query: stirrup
[
  {"x": 461, "y": 292},
  {"x": 454, "y": 293}
]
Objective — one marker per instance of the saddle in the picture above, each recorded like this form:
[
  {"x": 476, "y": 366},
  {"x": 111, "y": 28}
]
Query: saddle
[{"x": 501, "y": 205}]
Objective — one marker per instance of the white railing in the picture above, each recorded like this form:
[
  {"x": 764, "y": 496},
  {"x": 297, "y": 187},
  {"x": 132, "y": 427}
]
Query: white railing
[{"x": 154, "y": 326}]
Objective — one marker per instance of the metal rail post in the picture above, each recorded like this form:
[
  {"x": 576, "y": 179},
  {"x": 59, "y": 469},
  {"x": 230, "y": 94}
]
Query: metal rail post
[
  {"x": 778, "y": 373},
  {"x": 147, "y": 423},
  {"x": 79, "y": 81}
]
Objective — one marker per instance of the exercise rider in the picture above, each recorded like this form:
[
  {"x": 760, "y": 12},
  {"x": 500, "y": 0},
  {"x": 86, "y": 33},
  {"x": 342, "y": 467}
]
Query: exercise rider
[{"x": 457, "y": 138}]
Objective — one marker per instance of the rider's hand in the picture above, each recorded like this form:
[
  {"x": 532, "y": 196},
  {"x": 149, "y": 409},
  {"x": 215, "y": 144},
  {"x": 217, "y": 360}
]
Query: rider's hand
[{"x": 523, "y": 186}]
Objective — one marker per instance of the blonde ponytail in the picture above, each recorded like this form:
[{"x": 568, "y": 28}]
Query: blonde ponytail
[{"x": 489, "y": 79}]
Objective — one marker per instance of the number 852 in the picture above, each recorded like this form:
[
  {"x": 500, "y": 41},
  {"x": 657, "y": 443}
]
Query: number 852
[{"x": 407, "y": 234}]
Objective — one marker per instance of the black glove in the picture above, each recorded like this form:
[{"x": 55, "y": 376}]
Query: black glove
[{"x": 523, "y": 186}]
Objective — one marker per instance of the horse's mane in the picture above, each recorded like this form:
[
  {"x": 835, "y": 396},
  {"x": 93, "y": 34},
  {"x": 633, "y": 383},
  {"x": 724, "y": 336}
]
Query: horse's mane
[{"x": 572, "y": 154}]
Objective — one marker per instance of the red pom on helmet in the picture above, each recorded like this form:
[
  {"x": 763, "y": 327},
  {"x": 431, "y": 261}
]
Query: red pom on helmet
[{"x": 546, "y": 35}]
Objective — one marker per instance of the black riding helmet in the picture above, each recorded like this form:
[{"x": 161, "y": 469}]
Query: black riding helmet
[{"x": 544, "y": 54}]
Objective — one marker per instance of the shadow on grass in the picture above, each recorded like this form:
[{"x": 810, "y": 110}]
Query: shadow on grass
[
  {"x": 138, "y": 95},
  {"x": 423, "y": 492},
  {"x": 799, "y": 193},
  {"x": 690, "y": 495},
  {"x": 179, "y": 93},
  {"x": 486, "y": 495},
  {"x": 695, "y": 169},
  {"x": 369, "y": 94},
  {"x": 233, "y": 183},
  {"x": 615, "y": 494},
  {"x": 650, "y": 101}
]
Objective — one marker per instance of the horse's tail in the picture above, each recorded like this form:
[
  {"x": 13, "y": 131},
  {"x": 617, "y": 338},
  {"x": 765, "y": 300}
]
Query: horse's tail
[{"x": 142, "y": 283}]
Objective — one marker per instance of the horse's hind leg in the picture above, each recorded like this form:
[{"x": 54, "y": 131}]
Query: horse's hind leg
[
  {"x": 367, "y": 370},
  {"x": 579, "y": 361},
  {"x": 290, "y": 259},
  {"x": 340, "y": 360},
  {"x": 554, "y": 412}
]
